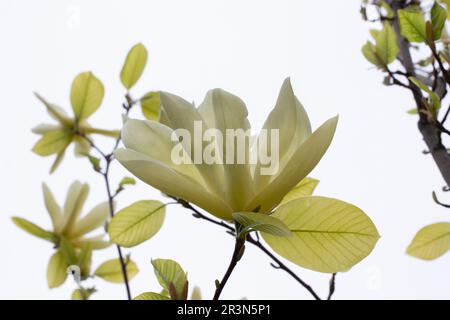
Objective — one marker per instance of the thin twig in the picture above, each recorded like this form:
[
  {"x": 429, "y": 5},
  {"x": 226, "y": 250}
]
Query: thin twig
[
  {"x": 237, "y": 255},
  {"x": 108, "y": 158},
  {"x": 332, "y": 286},
  {"x": 278, "y": 263}
]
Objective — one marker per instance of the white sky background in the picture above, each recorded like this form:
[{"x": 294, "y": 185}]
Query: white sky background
[{"x": 248, "y": 48}]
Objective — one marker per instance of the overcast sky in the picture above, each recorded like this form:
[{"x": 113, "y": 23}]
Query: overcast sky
[{"x": 245, "y": 47}]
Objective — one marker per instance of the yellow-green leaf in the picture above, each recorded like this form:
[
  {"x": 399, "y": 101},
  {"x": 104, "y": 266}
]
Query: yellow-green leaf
[
  {"x": 82, "y": 294},
  {"x": 412, "y": 25},
  {"x": 329, "y": 235},
  {"x": 52, "y": 142},
  {"x": 447, "y": 4},
  {"x": 438, "y": 17},
  {"x": 151, "y": 106},
  {"x": 261, "y": 222},
  {"x": 111, "y": 270},
  {"x": 369, "y": 52},
  {"x": 136, "y": 223},
  {"x": 134, "y": 65},
  {"x": 435, "y": 101},
  {"x": 151, "y": 296},
  {"x": 386, "y": 44},
  {"x": 170, "y": 272},
  {"x": 33, "y": 229},
  {"x": 86, "y": 95},
  {"x": 431, "y": 241},
  {"x": 304, "y": 188},
  {"x": 56, "y": 270}
]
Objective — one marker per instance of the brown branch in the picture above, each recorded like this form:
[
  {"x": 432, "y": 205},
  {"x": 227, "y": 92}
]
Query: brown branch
[
  {"x": 108, "y": 158},
  {"x": 332, "y": 286},
  {"x": 230, "y": 230},
  {"x": 238, "y": 251}
]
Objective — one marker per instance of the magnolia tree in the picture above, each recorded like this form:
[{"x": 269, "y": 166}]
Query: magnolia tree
[
  {"x": 205, "y": 160},
  {"x": 412, "y": 48}
]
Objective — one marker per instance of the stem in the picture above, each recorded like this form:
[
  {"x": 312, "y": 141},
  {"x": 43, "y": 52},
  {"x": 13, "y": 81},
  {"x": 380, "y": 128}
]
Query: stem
[
  {"x": 255, "y": 242},
  {"x": 237, "y": 255},
  {"x": 123, "y": 265},
  {"x": 108, "y": 158},
  {"x": 332, "y": 286}
]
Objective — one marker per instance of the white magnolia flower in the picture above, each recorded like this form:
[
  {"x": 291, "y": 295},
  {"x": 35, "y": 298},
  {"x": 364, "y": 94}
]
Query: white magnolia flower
[{"x": 224, "y": 189}]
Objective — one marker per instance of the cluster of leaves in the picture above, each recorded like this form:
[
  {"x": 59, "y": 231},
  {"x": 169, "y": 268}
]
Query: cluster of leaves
[
  {"x": 173, "y": 280},
  {"x": 425, "y": 30}
]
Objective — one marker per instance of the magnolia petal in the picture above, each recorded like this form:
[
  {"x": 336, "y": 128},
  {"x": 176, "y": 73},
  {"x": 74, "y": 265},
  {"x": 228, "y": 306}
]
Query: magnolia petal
[
  {"x": 54, "y": 111},
  {"x": 93, "y": 220},
  {"x": 180, "y": 114},
  {"x": 301, "y": 163},
  {"x": 222, "y": 110},
  {"x": 169, "y": 181},
  {"x": 104, "y": 132},
  {"x": 95, "y": 243},
  {"x": 53, "y": 208},
  {"x": 75, "y": 200},
  {"x": 44, "y": 128},
  {"x": 291, "y": 119},
  {"x": 82, "y": 147},
  {"x": 154, "y": 140},
  {"x": 58, "y": 159}
]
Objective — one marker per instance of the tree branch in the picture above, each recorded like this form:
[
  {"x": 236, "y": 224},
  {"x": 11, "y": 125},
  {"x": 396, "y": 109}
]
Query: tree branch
[
  {"x": 108, "y": 158},
  {"x": 230, "y": 230},
  {"x": 239, "y": 248},
  {"x": 430, "y": 133}
]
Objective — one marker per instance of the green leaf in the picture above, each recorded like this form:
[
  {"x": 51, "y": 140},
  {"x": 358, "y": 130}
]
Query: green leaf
[
  {"x": 304, "y": 188},
  {"x": 196, "y": 294},
  {"x": 447, "y": 4},
  {"x": 169, "y": 273},
  {"x": 151, "y": 296},
  {"x": 52, "y": 142},
  {"x": 33, "y": 229},
  {"x": 412, "y": 25},
  {"x": 86, "y": 95},
  {"x": 134, "y": 65},
  {"x": 95, "y": 162},
  {"x": 151, "y": 105},
  {"x": 82, "y": 294},
  {"x": 412, "y": 111},
  {"x": 369, "y": 52},
  {"x": 126, "y": 181},
  {"x": 435, "y": 102},
  {"x": 438, "y": 18},
  {"x": 329, "y": 235},
  {"x": 56, "y": 270},
  {"x": 431, "y": 241},
  {"x": 261, "y": 222},
  {"x": 111, "y": 270},
  {"x": 386, "y": 44},
  {"x": 136, "y": 223}
]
